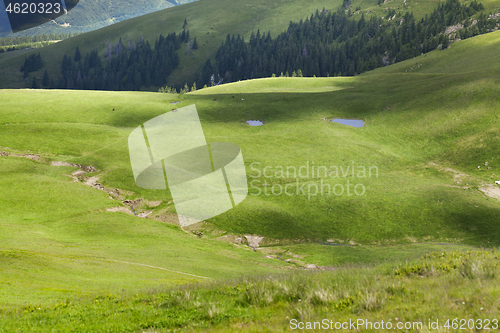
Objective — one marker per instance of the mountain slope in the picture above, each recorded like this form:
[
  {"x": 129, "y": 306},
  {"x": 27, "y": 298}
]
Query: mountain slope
[
  {"x": 426, "y": 133},
  {"x": 90, "y": 15},
  {"x": 208, "y": 20}
]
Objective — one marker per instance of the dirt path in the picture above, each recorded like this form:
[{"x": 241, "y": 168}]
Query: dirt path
[
  {"x": 86, "y": 168},
  {"x": 458, "y": 177},
  {"x": 93, "y": 181},
  {"x": 490, "y": 190},
  {"x": 30, "y": 156},
  {"x": 120, "y": 209}
]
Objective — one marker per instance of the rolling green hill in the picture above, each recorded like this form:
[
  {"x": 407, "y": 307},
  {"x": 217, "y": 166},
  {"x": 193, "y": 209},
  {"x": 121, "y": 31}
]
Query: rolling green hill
[
  {"x": 425, "y": 133},
  {"x": 226, "y": 17},
  {"x": 430, "y": 122}
]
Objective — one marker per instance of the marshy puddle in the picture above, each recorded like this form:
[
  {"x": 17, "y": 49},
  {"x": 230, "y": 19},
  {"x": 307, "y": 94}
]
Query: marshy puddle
[
  {"x": 349, "y": 122},
  {"x": 255, "y": 122}
]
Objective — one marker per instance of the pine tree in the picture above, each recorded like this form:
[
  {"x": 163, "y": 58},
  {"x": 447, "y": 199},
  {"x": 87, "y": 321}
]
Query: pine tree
[
  {"x": 446, "y": 42},
  {"x": 46, "y": 80},
  {"x": 195, "y": 44},
  {"x": 32, "y": 63},
  {"x": 147, "y": 80},
  {"x": 108, "y": 50},
  {"x": 120, "y": 46},
  {"x": 77, "y": 56},
  {"x": 34, "y": 85},
  {"x": 185, "y": 24}
]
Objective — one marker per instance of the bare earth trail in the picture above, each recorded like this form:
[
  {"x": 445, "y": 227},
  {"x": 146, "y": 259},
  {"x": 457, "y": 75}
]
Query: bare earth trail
[{"x": 491, "y": 190}]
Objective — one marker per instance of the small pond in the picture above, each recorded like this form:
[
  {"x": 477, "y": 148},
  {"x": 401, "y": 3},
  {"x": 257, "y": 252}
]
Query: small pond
[
  {"x": 255, "y": 122},
  {"x": 349, "y": 122}
]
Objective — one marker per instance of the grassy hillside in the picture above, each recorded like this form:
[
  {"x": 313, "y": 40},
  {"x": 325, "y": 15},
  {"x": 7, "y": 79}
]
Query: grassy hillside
[
  {"x": 474, "y": 55},
  {"x": 59, "y": 242},
  {"x": 57, "y": 238},
  {"x": 437, "y": 288},
  {"x": 425, "y": 134},
  {"x": 67, "y": 262},
  {"x": 225, "y": 17}
]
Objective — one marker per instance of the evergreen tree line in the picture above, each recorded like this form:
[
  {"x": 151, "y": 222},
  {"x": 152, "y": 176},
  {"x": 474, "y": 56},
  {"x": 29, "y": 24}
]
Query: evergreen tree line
[
  {"x": 124, "y": 67},
  {"x": 47, "y": 82},
  {"x": 335, "y": 43},
  {"x": 32, "y": 64},
  {"x": 325, "y": 44}
]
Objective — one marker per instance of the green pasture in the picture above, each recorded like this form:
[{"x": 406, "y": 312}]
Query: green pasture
[
  {"x": 441, "y": 286},
  {"x": 416, "y": 126},
  {"x": 58, "y": 242},
  {"x": 425, "y": 134}
]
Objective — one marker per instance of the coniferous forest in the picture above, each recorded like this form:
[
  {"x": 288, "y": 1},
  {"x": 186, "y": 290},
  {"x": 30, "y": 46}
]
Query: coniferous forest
[
  {"x": 334, "y": 44},
  {"x": 124, "y": 67},
  {"x": 32, "y": 64},
  {"x": 325, "y": 44}
]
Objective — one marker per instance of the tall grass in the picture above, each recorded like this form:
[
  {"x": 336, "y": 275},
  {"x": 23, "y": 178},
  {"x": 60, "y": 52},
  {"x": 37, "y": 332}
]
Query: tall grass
[{"x": 388, "y": 291}]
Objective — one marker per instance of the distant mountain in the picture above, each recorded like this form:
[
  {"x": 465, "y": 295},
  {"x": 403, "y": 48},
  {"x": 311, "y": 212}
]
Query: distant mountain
[{"x": 90, "y": 15}]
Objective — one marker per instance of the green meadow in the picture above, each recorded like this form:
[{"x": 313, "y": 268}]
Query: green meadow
[
  {"x": 454, "y": 289},
  {"x": 68, "y": 264}
]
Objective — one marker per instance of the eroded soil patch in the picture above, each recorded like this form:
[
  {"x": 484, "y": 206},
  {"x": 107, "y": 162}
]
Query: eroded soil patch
[{"x": 491, "y": 190}]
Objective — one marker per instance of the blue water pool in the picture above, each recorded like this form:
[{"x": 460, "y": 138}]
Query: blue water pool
[
  {"x": 255, "y": 122},
  {"x": 349, "y": 122}
]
